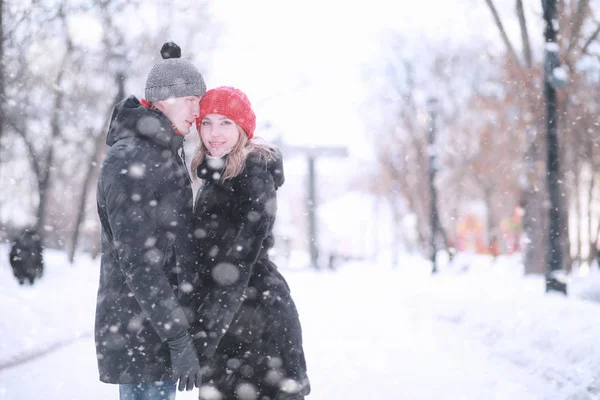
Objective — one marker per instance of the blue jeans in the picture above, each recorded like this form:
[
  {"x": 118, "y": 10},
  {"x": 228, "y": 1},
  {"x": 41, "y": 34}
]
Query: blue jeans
[{"x": 148, "y": 391}]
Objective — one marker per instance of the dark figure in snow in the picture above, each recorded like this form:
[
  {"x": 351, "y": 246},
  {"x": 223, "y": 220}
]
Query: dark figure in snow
[
  {"x": 145, "y": 201},
  {"x": 26, "y": 257},
  {"x": 246, "y": 328}
]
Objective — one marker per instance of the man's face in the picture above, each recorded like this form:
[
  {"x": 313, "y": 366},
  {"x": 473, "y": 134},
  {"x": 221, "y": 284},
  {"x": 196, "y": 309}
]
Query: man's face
[{"x": 181, "y": 111}]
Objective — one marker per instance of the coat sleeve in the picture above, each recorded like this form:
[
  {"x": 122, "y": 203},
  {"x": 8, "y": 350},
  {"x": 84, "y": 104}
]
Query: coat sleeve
[
  {"x": 139, "y": 221},
  {"x": 233, "y": 264}
]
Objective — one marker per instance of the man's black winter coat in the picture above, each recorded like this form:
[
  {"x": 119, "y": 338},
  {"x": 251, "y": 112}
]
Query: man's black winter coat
[
  {"x": 145, "y": 208},
  {"x": 246, "y": 326}
]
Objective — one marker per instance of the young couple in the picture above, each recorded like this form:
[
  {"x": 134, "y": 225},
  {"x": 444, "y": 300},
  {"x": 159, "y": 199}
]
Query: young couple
[{"x": 187, "y": 295}]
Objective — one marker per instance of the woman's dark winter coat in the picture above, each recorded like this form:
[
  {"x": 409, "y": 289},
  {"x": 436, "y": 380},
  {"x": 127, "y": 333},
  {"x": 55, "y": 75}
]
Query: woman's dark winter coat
[
  {"x": 246, "y": 327},
  {"x": 145, "y": 207}
]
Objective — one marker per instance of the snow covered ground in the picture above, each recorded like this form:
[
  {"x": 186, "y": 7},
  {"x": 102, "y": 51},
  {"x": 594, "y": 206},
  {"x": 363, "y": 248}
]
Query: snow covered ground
[{"x": 371, "y": 332}]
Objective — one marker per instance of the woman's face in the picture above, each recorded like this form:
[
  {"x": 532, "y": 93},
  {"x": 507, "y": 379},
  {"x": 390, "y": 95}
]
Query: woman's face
[{"x": 218, "y": 133}]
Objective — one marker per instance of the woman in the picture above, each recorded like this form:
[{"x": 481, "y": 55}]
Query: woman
[{"x": 246, "y": 327}]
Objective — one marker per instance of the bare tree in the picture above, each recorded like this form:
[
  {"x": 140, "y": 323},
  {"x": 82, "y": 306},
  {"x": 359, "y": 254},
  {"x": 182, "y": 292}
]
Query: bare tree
[
  {"x": 58, "y": 104},
  {"x": 403, "y": 155},
  {"x": 42, "y": 159},
  {"x": 576, "y": 42},
  {"x": 534, "y": 221}
]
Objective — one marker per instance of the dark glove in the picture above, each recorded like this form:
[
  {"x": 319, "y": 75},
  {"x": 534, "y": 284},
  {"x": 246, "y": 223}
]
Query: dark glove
[{"x": 186, "y": 367}]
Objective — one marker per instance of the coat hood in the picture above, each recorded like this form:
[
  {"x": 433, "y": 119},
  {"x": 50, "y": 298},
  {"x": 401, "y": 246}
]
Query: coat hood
[
  {"x": 275, "y": 168},
  {"x": 130, "y": 119}
]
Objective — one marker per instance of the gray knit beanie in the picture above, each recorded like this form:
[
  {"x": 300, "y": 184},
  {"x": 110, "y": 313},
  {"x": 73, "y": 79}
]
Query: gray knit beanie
[{"x": 173, "y": 76}]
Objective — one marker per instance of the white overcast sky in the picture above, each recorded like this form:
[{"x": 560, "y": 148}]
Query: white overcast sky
[{"x": 300, "y": 61}]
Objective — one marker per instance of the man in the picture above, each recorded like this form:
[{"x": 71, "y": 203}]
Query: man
[{"x": 145, "y": 205}]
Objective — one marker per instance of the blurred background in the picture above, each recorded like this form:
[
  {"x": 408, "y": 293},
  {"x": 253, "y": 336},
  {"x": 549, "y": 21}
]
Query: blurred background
[
  {"x": 378, "y": 107},
  {"x": 442, "y": 177}
]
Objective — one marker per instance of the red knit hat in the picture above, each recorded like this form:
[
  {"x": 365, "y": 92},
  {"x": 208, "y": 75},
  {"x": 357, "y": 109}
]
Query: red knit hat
[{"x": 230, "y": 102}]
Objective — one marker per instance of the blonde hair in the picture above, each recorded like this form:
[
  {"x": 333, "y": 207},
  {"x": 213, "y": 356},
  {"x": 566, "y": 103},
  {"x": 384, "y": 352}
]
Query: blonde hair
[{"x": 236, "y": 160}]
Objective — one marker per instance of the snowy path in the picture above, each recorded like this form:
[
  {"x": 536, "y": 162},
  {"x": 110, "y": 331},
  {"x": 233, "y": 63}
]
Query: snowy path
[
  {"x": 381, "y": 337},
  {"x": 372, "y": 333},
  {"x": 353, "y": 352},
  {"x": 341, "y": 368}
]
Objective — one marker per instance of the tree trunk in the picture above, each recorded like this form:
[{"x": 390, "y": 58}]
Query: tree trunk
[
  {"x": 90, "y": 173},
  {"x": 566, "y": 233},
  {"x": 594, "y": 246},
  {"x": 397, "y": 230},
  {"x": 555, "y": 244},
  {"x": 534, "y": 227},
  {"x": 591, "y": 238},
  {"x": 2, "y": 90},
  {"x": 590, "y": 202},
  {"x": 533, "y": 203},
  {"x": 491, "y": 219},
  {"x": 45, "y": 178},
  {"x": 566, "y": 194},
  {"x": 445, "y": 240},
  {"x": 433, "y": 209},
  {"x": 578, "y": 219},
  {"x": 41, "y": 211}
]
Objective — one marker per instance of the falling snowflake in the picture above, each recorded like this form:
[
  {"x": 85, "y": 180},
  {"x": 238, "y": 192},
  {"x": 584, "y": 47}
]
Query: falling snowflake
[
  {"x": 150, "y": 241},
  {"x": 148, "y": 125},
  {"x": 209, "y": 393},
  {"x": 246, "y": 391},
  {"x": 253, "y": 216},
  {"x": 290, "y": 386},
  {"x": 216, "y": 163},
  {"x": 200, "y": 233},
  {"x": 225, "y": 274},
  {"x": 186, "y": 287},
  {"x": 137, "y": 170}
]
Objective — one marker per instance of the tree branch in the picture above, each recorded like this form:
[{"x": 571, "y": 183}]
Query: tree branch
[
  {"x": 30, "y": 149},
  {"x": 524, "y": 34},
  {"x": 577, "y": 24},
  {"x": 500, "y": 26},
  {"x": 584, "y": 50}
]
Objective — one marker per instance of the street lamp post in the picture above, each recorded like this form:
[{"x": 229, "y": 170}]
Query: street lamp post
[
  {"x": 432, "y": 108},
  {"x": 311, "y": 206},
  {"x": 120, "y": 66},
  {"x": 312, "y": 154}
]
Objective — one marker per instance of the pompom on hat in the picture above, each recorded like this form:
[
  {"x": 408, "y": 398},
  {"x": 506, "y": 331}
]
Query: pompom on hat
[
  {"x": 232, "y": 103},
  {"x": 173, "y": 76}
]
